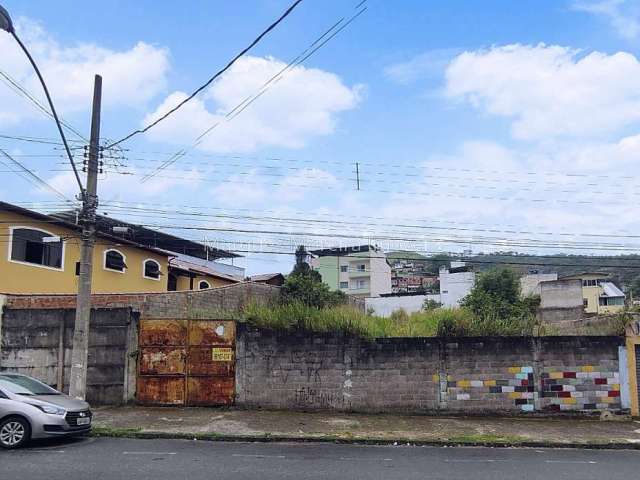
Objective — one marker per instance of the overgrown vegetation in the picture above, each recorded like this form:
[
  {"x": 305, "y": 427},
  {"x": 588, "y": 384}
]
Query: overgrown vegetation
[
  {"x": 492, "y": 308},
  {"x": 349, "y": 320}
]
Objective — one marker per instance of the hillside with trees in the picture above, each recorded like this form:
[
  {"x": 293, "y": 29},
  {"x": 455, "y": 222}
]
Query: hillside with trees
[{"x": 624, "y": 269}]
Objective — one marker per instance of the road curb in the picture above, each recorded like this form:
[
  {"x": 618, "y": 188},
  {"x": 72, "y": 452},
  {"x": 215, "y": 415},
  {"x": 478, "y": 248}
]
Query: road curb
[{"x": 212, "y": 437}]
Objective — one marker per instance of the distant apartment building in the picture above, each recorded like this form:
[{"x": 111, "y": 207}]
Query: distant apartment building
[
  {"x": 456, "y": 283},
  {"x": 599, "y": 293},
  {"x": 530, "y": 283},
  {"x": 360, "y": 271}
]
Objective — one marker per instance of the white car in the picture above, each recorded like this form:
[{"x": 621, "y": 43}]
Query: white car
[{"x": 29, "y": 409}]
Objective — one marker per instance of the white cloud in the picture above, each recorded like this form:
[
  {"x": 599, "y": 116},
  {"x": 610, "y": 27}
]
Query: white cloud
[
  {"x": 623, "y": 15},
  {"x": 301, "y": 105},
  {"x": 425, "y": 65},
  {"x": 549, "y": 91},
  {"x": 130, "y": 77}
]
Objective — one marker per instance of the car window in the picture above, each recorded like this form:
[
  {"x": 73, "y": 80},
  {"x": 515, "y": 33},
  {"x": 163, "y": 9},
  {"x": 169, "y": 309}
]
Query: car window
[{"x": 21, "y": 385}]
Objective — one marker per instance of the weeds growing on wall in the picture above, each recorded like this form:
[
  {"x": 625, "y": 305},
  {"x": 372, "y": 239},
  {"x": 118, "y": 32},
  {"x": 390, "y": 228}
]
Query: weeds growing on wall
[{"x": 348, "y": 320}]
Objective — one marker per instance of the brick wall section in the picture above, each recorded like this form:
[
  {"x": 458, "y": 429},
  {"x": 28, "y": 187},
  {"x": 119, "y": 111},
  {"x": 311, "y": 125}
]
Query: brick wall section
[
  {"x": 464, "y": 375},
  {"x": 159, "y": 305}
]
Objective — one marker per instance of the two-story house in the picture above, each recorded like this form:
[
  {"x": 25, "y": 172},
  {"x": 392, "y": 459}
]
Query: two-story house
[
  {"x": 599, "y": 293},
  {"x": 360, "y": 271},
  {"x": 40, "y": 253}
]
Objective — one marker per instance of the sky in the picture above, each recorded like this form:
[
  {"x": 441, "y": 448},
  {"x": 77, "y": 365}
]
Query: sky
[{"x": 473, "y": 125}]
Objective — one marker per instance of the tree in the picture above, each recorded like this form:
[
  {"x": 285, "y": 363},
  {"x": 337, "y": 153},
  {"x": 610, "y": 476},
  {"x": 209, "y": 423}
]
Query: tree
[
  {"x": 496, "y": 294},
  {"x": 305, "y": 285}
]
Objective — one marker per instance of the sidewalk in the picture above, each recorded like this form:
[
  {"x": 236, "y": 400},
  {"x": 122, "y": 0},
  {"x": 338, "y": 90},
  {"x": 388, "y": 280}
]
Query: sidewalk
[{"x": 260, "y": 425}]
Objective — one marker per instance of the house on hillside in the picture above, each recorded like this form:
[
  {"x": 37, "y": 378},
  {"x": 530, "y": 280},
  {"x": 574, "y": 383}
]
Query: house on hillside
[
  {"x": 43, "y": 252},
  {"x": 599, "y": 294},
  {"x": 360, "y": 271},
  {"x": 275, "y": 279}
]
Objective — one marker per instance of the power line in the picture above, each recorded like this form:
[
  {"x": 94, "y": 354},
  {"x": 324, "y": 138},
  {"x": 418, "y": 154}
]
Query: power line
[
  {"x": 20, "y": 90},
  {"x": 135, "y": 209},
  {"x": 30, "y": 175},
  {"x": 185, "y": 209},
  {"x": 413, "y": 193},
  {"x": 251, "y": 159},
  {"x": 309, "y": 173},
  {"x": 214, "y": 77}
]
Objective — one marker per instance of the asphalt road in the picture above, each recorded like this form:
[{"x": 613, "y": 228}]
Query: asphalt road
[{"x": 106, "y": 458}]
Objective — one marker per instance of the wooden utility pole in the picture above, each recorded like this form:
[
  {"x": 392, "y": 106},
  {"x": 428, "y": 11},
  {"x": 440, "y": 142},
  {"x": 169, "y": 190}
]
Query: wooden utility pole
[{"x": 78, "y": 380}]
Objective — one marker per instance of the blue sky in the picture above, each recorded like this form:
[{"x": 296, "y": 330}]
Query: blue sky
[{"x": 482, "y": 125}]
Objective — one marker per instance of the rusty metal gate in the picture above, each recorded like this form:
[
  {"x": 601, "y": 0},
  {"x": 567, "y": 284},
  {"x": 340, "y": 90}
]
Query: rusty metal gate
[{"x": 186, "y": 362}]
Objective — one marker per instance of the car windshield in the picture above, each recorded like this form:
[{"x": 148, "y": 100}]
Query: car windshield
[{"x": 21, "y": 385}]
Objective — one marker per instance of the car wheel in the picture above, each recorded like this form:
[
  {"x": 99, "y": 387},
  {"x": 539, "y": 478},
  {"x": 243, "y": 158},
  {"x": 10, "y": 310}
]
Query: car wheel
[{"x": 14, "y": 432}]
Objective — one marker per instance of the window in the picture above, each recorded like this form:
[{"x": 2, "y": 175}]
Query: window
[
  {"x": 114, "y": 260},
  {"x": 585, "y": 302},
  {"x": 172, "y": 282},
  {"x": 606, "y": 301},
  {"x": 344, "y": 284},
  {"x": 360, "y": 284},
  {"x": 36, "y": 247},
  {"x": 362, "y": 267},
  {"x": 344, "y": 268},
  {"x": 589, "y": 283},
  {"x": 151, "y": 270},
  {"x": 203, "y": 285}
]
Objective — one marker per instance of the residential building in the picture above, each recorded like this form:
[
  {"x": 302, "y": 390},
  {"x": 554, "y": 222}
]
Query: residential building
[
  {"x": 599, "y": 294},
  {"x": 456, "y": 283},
  {"x": 43, "y": 253},
  {"x": 530, "y": 283},
  {"x": 275, "y": 279},
  {"x": 361, "y": 270}
]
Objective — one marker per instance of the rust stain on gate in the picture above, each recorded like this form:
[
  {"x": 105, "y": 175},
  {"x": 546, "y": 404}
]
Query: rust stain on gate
[{"x": 186, "y": 362}]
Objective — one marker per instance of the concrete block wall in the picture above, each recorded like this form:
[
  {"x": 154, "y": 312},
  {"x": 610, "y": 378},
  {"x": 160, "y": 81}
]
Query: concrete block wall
[
  {"x": 464, "y": 375},
  {"x": 302, "y": 371},
  {"x": 31, "y": 341}
]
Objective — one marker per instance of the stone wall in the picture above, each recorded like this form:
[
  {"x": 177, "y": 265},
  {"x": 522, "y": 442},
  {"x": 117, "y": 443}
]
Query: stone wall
[
  {"x": 464, "y": 375},
  {"x": 39, "y": 343}
]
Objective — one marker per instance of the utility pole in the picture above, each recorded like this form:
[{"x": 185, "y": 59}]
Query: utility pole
[
  {"x": 358, "y": 175},
  {"x": 78, "y": 380}
]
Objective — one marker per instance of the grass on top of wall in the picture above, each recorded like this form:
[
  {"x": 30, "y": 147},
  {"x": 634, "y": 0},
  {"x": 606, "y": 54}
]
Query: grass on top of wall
[{"x": 348, "y": 320}]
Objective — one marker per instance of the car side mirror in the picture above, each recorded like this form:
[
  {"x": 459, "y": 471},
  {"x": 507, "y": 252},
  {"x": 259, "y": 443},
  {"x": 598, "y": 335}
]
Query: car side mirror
[{"x": 2, "y": 395}]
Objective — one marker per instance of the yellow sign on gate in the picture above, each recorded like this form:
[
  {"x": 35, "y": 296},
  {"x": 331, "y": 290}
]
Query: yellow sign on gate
[{"x": 222, "y": 354}]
